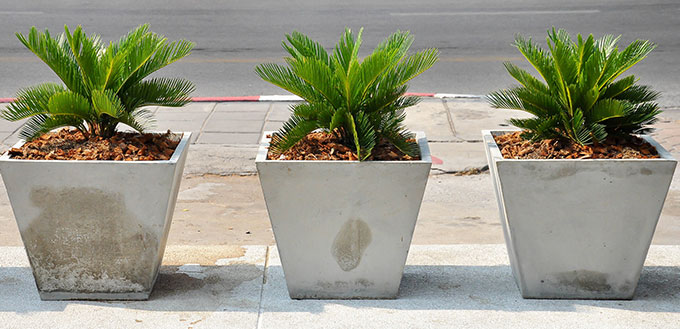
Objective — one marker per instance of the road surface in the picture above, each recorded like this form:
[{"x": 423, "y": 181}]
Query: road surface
[{"x": 233, "y": 36}]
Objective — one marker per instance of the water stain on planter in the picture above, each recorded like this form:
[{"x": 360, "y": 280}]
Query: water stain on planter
[
  {"x": 350, "y": 243},
  {"x": 85, "y": 240},
  {"x": 585, "y": 280},
  {"x": 562, "y": 172},
  {"x": 358, "y": 284}
]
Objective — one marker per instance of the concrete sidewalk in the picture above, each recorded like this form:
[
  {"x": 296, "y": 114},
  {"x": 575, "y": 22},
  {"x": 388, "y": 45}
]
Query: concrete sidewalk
[{"x": 444, "y": 286}]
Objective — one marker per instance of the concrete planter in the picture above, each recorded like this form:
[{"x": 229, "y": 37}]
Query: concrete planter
[
  {"x": 343, "y": 228},
  {"x": 579, "y": 229},
  {"x": 94, "y": 229}
]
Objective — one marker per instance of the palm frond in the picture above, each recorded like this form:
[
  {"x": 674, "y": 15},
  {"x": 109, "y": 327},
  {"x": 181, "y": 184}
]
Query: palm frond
[
  {"x": 582, "y": 100},
  {"x": 302, "y": 46},
  {"x": 638, "y": 94},
  {"x": 293, "y": 131},
  {"x": 41, "y": 124},
  {"x": 104, "y": 83},
  {"x": 360, "y": 101},
  {"x": 171, "y": 92},
  {"x": 56, "y": 53},
  {"x": 31, "y": 101},
  {"x": 286, "y": 78}
]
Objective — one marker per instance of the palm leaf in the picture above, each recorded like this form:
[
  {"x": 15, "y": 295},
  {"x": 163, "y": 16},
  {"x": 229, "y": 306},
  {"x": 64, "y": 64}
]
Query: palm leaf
[
  {"x": 31, "y": 101},
  {"x": 56, "y": 53},
  {"x": 158, "y": 91}
]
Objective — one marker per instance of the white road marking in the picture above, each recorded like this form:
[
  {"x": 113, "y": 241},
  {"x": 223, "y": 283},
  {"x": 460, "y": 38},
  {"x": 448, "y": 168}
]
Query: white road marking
[{"x": 498, "y": 13}]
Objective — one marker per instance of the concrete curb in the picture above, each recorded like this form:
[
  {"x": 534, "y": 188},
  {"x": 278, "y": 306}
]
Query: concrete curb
[{"x": 293, "y": 98}]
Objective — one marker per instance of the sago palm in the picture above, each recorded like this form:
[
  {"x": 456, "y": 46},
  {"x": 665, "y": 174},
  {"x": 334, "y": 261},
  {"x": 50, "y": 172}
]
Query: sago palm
[
  {"x": 362, "y": 102},
  {"x": 103, "y": 85},
  {"x": 580, "y": 98}
]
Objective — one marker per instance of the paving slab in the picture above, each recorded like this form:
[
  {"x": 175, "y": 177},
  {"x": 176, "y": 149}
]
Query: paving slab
[
  {"x": 198, "y": 287},
  {"x": 243, "y": 107},
  {"x": 193, "y": 126},
  {"x": 431, "y": 117},
  {"x": 179, "y": 115},
  {"x": 229, "y": 138},
  {"x": 471, "y": 286},
  {"x": 215, "y": 125},
  {"x": 279, "y": 112},
  {"x": 239, "y": 116},
  {"x": 471, "y": 117},
  {"x": 207, "y": 158},
  {"x": 457, "y": 157},
  {"x": 272, "y": 125},
  {"x": 198, "y": 107}
]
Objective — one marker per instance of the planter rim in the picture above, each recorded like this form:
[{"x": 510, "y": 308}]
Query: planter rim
[
  {"x": 183, "y": 143},
  {"x": 495, "y": 152},
  {"x": 425, "y": 156}
]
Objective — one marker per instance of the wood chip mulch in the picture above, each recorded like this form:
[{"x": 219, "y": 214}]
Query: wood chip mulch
[
  {"x": 513, "y": 146},
  {"x": 68, "y": 144},
  {"x": 327, "y": 146}
]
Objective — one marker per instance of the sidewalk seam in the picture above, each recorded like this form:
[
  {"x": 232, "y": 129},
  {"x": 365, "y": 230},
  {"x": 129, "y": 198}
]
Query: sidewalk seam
[
  {"x": 266, "y": 117},
  {"x": 205, "y": 122},
  {"x": 264, "y": 281},
  {"x": 449, "y": 118}
]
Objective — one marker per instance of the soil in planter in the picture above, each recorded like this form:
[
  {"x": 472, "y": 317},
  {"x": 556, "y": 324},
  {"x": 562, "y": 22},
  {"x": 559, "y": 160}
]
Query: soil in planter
[
  {"x": 513, "y": 146},
  {"x": 326, "y": 146},
  {"x": 66, "y": 144}
]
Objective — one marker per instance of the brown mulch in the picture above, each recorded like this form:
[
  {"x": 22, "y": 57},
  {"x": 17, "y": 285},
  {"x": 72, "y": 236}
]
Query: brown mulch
[
  {"x": 68, "y": 144},
  {"x": 513, "y": 146},
  {"x": 327, "y": 146}
]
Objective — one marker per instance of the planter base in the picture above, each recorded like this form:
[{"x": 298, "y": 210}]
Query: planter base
[
  {"x": 361, "y": 294},
  {"x": 62, "y": 295}
]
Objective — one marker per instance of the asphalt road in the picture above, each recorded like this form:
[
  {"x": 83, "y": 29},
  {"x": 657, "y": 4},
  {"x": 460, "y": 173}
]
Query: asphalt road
[{"x": 233, "y": 36}]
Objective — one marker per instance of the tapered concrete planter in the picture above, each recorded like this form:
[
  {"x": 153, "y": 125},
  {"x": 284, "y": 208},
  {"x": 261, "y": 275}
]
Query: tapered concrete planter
[
  {"x": 343, "y": 228},
  {"x": 94, "y": 229},
  {"x": 578, "y": 229}
]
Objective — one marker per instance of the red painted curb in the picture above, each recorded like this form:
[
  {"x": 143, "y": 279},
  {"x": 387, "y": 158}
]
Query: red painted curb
[
  {"x": 6, "y": 100},
  {"x": 436, "y": 160},
  {"x": 420, "y": 94}
]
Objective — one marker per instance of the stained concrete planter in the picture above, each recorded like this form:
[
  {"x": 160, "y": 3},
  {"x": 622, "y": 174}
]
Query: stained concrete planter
[
  {"x": 343, "y": 228},
  {"x": 94, "y": 229},
  {"x": 579, "y": 229}
]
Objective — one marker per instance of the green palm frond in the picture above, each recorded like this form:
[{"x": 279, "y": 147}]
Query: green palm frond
[
  {"x": 580, "y": 98},
  {"x": 285, "y": 78},
  {"x": 169, "y": 92},
  {"x": 31, "y": 101},
  {"x": 638, "y": 94},
  {"x": 163, "y": 54},
  {"x": 360, "y": 101},
  {"x": 293, "y": 130},
  {"x": 363, "y": 134},
  {"x": 57, "y": 54},
  {"x": 302, "y": 46},
  {"x": 41, "y": 124},
  {"x": 104, "y": 84}
]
